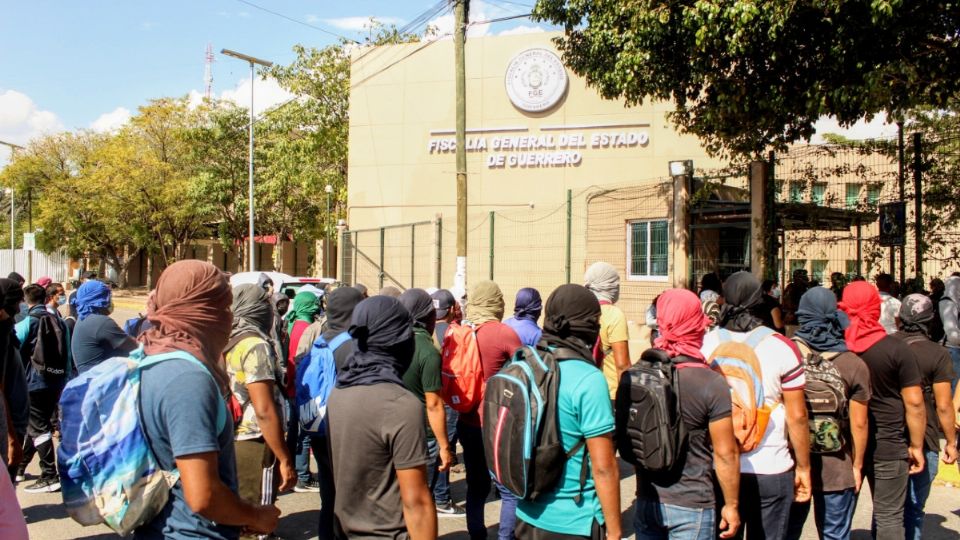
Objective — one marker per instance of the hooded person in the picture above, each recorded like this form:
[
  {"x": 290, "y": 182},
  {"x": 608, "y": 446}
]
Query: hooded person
[
  {"x": 497, "y": 343},
  {"x": 371, "y": 414},
  {"x": 936, "y": 371},
  {"x": 896, "y": 411},
  {"x": 255, "y": 383},
  {"x": 586, "y": 499},
  {"x": 22, "y": 308},
  {"x": 949, "y": 308},
  {"x": 390, "y": 291},
  {"x": 424, "y": 381},
  {"x": 14, "y": 382},
  {"x": 710, "y": 449},
  {"x": 775, "y": 473},
  {"x": 302, "y": 314},
  {"x": 837, "y": 474},
  {"x": 612, "y": 350},
  {"x": 96, "y": 337},
  {"x": 526, "y": 313},
  {"x": 181, "y": 401}
]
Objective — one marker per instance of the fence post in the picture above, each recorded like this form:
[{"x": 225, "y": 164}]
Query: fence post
[
  {"x": 569, "y": 231},
  {"x": 383, "y": 235},
  {"x": 492, "y": 214},
  {"x": 413, "y": 253},
  {"x": 356, "y": 255},
  {"x": 438, "y": 261},
  {"x": 918, "y": 203}
]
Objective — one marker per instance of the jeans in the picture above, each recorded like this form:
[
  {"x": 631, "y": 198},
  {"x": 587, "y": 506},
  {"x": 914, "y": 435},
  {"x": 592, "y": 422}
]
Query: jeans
[
  {"x": 478, "y": 478},
  {"x": 955, "y": 356},
  {"x": 832, "y": 512},
  {"x": 658, "y": 521},
  {"x": 918, "y": 489},
  {"x": 298, "y": 442},
  {"x": 441, "y": 487},
  {"x": 888, "y": 483},
  {"x": 508, "y": 513},
  {"x": 39, "y": 439},
  {"x": 328, "y": 492},
  {"x": 765, "y": 501},
  {"x": 433, "y": 460}
]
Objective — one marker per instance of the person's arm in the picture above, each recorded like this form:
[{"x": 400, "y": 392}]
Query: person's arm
[
  {"x": 777, "y": 315},
  {"x": 726, "y": 460},
  {"x": 116, "y": 338},
  {"x": 621, "y": 356},
  {"x": 951, "y": 326},
  {"x": 211, "y": 498},
  {"x": 419, "y": 512},
  {"x": 271, "y": 426},
  {"x": 945, "y": 413},
  {"x": 437, "y": 417},
  {"x": 606, "y": 478},
  {"x": 859, "y": 431},
  {"x": 798, "y": 431},
  {"x": 916, "y": 416}
]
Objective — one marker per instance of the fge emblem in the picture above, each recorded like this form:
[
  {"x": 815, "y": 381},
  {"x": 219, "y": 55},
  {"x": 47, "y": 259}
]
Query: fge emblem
[{"x": 536, "y": 80}]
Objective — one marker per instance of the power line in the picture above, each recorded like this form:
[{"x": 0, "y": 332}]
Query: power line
[
  {"x": 413, "y": 26},
  {"x": 291, "y": 19}
]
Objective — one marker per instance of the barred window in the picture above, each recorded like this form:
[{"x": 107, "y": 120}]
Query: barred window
[{"x": 647, "y": 249}]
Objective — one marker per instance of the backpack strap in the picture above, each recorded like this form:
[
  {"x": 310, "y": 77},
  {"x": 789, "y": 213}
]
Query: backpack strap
[
  {"x": 757, "y": 335},
  {"x": 336, "y": 342},
  {"x": 144, "y": 361},
  {"x": 582, "y": 443}
]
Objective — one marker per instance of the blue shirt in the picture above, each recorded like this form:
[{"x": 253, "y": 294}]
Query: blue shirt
[
  {"x": 583, "y": 403},
  {"x": 97, "y": 338},
  {"x": 179, "y": 403},
  {"x": 528, "y": 330}
]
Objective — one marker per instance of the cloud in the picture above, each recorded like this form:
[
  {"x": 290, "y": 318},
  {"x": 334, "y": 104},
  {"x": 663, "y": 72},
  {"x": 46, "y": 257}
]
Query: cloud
[
  {"x": 266, "y": 94},
  {"x": 353, "y": 24},
  {"x": 877, "y": 128},
  {"x": 21, "y": 120},
  {"x": 112, "y": 120},
  {"x": 522, "y": 29},
  {"x": 244, "y": 14}
]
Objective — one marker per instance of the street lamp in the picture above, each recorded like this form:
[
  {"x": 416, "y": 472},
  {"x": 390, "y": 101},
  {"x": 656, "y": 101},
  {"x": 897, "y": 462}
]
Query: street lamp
[
  {"x": 326, "y": 232},
  {"x": 253, "y": 77}
]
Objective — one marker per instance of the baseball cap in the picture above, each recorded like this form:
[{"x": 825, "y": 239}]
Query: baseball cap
[{"x": 443, "y": 300}]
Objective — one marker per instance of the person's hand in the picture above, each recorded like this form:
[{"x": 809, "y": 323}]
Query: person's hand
[
  {"x": 915, "y": 456},
  {"x": 613, "y": 534},
  {"x": 950, "y": 454},
  {"x": 729, "y": 521},
  {"x": 447, "y": 459},
  {"x": 857, "y": 479},
  {"x": 265, "y": 519},
  {"x": 802, "y": 490},
  {"x": 288, "y": 476}
]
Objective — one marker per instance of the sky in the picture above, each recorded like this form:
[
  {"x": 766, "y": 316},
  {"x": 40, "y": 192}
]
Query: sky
[{"x": 89, "y": 64}]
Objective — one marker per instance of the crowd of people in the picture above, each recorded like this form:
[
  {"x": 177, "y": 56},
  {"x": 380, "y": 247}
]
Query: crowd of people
[{"x": 799, "y": 399}]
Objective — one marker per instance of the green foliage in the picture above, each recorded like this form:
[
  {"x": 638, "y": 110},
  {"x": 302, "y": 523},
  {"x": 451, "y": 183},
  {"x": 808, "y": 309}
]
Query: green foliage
[{"x": 747, "y": 75}]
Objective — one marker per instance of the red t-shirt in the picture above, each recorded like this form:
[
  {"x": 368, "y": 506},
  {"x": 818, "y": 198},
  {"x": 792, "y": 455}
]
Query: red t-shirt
[
  {"x": 295, "y": 334},
  {"x": 497, "y": 343}
]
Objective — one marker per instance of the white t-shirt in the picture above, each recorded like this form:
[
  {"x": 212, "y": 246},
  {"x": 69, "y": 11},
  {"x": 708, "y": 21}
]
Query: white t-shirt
[
  {"x": 889, "y": 311},
  {"x": 782, "y": 368}
]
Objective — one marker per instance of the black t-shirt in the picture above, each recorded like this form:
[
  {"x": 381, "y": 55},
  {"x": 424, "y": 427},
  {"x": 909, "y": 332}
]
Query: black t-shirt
[
  {"x": 893, "y": 367},
  {"x": 97, "y": 338},
  {"x": 704, "y": 398},
  {"x": 935, "y": 367},
  {"x": 765, "y": 312}
]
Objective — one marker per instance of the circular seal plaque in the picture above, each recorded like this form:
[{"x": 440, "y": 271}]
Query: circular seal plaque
[{"x": 536, "y": 80}]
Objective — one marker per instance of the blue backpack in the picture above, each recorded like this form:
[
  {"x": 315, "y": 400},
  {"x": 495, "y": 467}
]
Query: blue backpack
[
  {"x": 108, "y": 472},
  {"x": 316, "y": 377}
]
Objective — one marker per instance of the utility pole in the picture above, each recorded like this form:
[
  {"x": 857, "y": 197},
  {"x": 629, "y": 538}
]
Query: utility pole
[{"x": 461, "y": 14}]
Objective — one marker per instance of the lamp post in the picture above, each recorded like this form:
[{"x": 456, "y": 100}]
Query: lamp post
[
  {"x": 253, "y": 62},
  {"x": 326, "y": 232}
]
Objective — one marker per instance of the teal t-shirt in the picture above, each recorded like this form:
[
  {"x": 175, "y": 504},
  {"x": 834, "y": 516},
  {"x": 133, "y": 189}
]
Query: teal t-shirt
[{"x": 584, "y": 408}]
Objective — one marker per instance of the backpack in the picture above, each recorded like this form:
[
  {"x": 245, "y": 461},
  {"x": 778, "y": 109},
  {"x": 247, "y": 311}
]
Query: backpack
[
  {"x": 51, "y": 352},
  {"x": 316, "y": 377},
  {"x": 108, "y": 472},
  {"x": 521, "y": 427},
  {"x": 650, "y": 432},
  {"x": 738, "y": 363},
  {"x": 461, "y": 370},
  {"x": 826, "y": 396}
]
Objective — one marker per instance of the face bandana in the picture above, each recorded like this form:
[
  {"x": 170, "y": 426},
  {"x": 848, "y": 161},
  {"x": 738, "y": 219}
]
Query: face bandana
[
  {"x": 681, "y": 322},
  {"x": 861, "y": 303},
  {"x": 382, "y": 331}
]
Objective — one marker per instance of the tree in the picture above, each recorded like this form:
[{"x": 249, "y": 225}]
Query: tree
[{"x": 745, "y": 75}]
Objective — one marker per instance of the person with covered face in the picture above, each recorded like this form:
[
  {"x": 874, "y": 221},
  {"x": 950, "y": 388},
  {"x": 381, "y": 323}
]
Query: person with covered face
[
  {"x": 936, "y": 372},
  {"x": 612, "y": 347},
  {"x": 377, "y": 437},
  {"x": 577, "y": 507},
  {"x": 180, "y": 403},
  {"x": 526, "y": 313},
  {"x": 15, "y": 393},
  {"x": 97, "y": 337}
]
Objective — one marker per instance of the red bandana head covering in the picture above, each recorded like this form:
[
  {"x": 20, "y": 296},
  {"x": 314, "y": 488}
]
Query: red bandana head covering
[
  {"x": 190, "y": 311},
  {"x": 681, "y": 323},
  {"x": 861, "y": 303}
]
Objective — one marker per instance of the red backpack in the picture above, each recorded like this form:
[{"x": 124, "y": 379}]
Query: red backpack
[{"x": 462, "y": 371}]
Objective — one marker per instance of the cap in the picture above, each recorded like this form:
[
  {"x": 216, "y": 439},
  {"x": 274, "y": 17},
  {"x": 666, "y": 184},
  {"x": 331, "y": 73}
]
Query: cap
[{"x": 443, "y": 300}]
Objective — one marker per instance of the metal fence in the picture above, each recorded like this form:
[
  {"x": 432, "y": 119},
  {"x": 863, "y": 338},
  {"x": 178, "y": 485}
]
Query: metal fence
[{"x": 54, "y": 265}]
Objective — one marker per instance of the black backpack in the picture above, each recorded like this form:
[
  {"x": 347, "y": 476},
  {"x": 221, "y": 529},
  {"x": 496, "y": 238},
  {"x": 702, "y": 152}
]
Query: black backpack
[
  {"x": 521, "y": 428},
  {"x": 650, "y": 433},
  {"x": 825, "y": 394},
  {"x": 50, "y": 355}
]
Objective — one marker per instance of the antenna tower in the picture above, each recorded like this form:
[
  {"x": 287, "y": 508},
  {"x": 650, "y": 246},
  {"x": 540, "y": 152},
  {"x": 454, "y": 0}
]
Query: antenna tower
[{"x": 208, "y": 72}]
